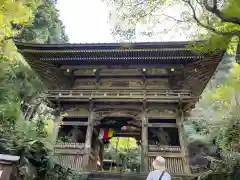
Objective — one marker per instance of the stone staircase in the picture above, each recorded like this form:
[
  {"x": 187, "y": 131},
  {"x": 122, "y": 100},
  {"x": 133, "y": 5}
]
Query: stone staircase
[
  {"x": 123, "y": 176},
  {"x": 142, "y": 176}
]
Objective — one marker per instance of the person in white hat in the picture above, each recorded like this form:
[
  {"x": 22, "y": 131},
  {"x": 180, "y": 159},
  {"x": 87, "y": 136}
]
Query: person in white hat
[{"x": 160, "y": 170}]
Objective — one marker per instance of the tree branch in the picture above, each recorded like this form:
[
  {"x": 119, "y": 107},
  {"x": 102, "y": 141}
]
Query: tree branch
[
  {"x": 148, "y": 13},
  {"x": 173, "y": 18},
  {"x": 12, "y": 37},
  {"x": 231, "y": 33},
  {"x": 219, "y": 14}
]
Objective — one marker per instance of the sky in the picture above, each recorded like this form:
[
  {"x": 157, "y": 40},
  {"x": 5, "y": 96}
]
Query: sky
[{"x": 86, "y": 21}]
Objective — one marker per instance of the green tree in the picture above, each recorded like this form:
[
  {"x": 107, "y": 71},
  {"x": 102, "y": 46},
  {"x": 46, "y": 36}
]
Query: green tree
[
  {"x": 125, "y": 151},
  {"x": 221, "y": 123},
  {"x": 14, "y": 15},
  {"x": 46, "y": 27},
  {"x": 123, "y": 144},
  {"x": 18, "y": 83},
  {"x": 227, "y": 96},
  {"x": 218, "y": 20}
]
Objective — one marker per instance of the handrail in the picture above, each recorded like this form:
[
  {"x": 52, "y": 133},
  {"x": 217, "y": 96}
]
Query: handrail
[
  {"x": 164, "y": 148},
  {"x": 119, "y": 93},
  {"x": 69, "y": 145},
  {"x": 90, "y": 90}
]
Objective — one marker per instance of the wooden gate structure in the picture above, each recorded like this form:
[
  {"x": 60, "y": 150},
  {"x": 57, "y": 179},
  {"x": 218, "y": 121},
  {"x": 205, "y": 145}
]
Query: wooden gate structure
[{"x": 148, "y": 86}]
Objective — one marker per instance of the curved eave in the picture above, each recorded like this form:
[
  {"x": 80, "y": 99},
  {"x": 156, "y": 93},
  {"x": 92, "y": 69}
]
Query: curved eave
[
  {"x": 200, "y": 72},
  {"x": 106, "y": 46},
  {"x": 197, "y": 72},
  {"x": 111, "y": 53}
]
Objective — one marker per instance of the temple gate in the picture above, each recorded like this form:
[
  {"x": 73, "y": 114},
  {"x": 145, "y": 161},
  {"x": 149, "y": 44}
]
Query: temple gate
[{"x": 147, "y": 86}]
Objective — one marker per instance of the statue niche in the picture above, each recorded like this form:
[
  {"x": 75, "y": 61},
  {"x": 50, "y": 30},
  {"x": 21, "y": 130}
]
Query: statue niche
[
  {"x": 76, "y": 135},
  {"x": 161, "y": 136},
  {"x": 72, "y": 134}
]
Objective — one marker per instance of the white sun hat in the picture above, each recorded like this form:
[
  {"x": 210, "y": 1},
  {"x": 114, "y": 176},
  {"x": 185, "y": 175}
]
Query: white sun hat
[{"x": 159, "y": 163}]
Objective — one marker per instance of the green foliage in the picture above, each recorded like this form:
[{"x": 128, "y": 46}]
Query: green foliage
[
  {"x": 221, "y": 123},
  {"x": 196, "y": 20},
  {"x": 46, "y": 27},
  {"x": 227, "y": 95},
  {"x": 122, "y": 143},
  {"x": 19, "y": 83},
  {"x": 126, "y": 152},
  {"x": 128, "y": 17},
  {"x": 12, "y": 13},
  {"x": 57, "y": 172},
  {"x": 17, "y": 136}
]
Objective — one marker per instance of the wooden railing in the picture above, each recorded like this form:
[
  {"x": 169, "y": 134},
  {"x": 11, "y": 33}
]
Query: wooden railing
[
  {"x": 119, "y": 94},
  {"x": 173, "y": 165},
  {"x": 69, "y": 145},
  {"x": 69, "y": 155},
  {"x": 69, "y": 148},
  {"x": 161, "y": 148}
]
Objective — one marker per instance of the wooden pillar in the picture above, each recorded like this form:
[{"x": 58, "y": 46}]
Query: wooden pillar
[
  {"x": 144, "y": 142},
  {"x": 89, "y": 134},
  {"x": 101, "y": 153},
  {"x": 182, "y": 140}
]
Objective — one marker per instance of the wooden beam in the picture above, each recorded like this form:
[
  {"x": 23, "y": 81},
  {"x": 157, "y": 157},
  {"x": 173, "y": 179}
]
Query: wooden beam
[
  {"x": 121, "y": 66},
  {"x": 101, "y": 154},
  {"x": 165, "y": 154},
  {"x": 68, "y": 151},
  {"x": 170, "y": 125},
  {"x": 97, "y": 74},
  {"x": 127, "y": 134},
  {"x": 75, "y": 123},
  {"x": 182, "y": 139},
  {"x": 144, "y": 150},
  {"x": 95, "y": 131},
  {"x": 124, "y": 100},
  {"x": 144, "y": 77},
  {"x": 170, "y": 116},
  {"x": 89, "y": 134},
  {"x": 156, "y": 76}
]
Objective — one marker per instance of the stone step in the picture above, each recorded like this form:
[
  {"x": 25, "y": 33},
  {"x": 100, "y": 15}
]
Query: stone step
[
  {"x": 136, "y": 178},
  {"x": 142, "y": 176},
  {"x": 121, "y": 176}
]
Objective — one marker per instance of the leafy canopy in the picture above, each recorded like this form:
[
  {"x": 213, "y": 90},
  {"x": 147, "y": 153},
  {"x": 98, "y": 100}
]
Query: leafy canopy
[
  {"x": 14, "y": 15},
  {"x": 122, "y": 144},
  {"x": 46, "y": 27},
  {"x": 19, "y": 83},
  {"x": 216, "y": 21}
]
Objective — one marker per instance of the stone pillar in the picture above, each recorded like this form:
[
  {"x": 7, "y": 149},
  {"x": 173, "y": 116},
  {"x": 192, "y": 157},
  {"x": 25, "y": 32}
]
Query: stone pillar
[
  {"x": 182, "y": 140},
  {"x": 88, "y": 140},
  {"x": 144, "y": 143}
]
